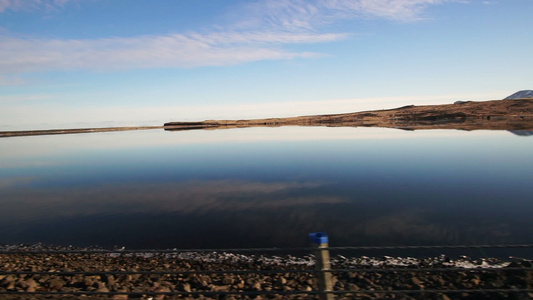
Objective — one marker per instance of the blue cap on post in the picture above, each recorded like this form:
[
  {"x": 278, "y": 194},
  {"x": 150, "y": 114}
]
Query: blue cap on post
[{"x": 319, "y": 237}]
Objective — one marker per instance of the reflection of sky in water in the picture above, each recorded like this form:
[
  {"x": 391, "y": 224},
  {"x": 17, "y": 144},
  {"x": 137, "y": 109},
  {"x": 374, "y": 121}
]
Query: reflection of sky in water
[{"x": 266, "y": 187}]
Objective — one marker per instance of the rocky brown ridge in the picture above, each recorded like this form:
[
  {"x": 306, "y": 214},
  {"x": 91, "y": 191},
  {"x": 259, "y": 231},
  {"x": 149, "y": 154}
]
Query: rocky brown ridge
[{"x": 512, "y": 114}]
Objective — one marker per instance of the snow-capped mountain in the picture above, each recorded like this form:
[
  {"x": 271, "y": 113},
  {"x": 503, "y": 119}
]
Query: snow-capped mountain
[{"x": 521, "y": 94}]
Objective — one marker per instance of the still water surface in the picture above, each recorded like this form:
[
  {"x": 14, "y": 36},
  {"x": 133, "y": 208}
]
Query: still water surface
[{"x": 264, "y": 187}]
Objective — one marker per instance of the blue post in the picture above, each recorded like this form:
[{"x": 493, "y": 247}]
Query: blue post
[{"x": 323, "y": 265}]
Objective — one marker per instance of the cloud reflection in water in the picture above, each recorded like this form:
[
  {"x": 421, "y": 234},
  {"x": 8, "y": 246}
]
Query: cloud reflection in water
[{"x": 221, "y": 213}]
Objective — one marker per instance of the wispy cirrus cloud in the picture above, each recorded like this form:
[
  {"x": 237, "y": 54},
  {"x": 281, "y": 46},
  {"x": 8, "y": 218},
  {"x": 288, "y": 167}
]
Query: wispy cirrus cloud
[
  {"x": 17, "y": 5},
  {"x": 177, "y": 50},
  {"x": 260, "y": 30},
  {"x": 11, "y": 81},
  {"x": 310, "y": 14}
]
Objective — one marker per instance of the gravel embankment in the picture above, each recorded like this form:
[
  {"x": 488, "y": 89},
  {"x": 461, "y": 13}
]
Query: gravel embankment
[{"x": 463, "y": 278}]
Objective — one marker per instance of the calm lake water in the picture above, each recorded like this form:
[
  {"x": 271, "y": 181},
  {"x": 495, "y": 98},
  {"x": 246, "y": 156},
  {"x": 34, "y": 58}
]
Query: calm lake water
[{"x": 264, "y": 187}]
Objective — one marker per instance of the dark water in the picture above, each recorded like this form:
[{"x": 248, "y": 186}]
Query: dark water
[{"x": 267, "y": 187}]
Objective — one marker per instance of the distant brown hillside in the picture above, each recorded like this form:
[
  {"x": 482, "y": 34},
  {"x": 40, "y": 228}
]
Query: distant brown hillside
[{"x": 514, "y": 114}]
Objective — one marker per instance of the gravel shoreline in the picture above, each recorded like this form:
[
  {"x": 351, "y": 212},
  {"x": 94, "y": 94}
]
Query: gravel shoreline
[{"x": 449, "y": 274}]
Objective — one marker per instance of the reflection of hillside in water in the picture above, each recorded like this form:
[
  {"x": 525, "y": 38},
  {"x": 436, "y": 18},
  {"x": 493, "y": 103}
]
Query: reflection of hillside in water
[{"x": 522, "y": 132}]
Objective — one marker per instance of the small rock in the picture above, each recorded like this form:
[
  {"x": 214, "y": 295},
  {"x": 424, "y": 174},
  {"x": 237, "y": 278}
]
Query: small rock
[
  {"x": 443, "y": 297},
  {"x": 111, "y": 280},
  {"x": 239, "y": 285},
  {"x": 186, "y": 287},
  {"x": 206, "y": 278},
  {"x": 227, "y": 280},
  {"x": 28, "y": 283},
  {"x": 102, "y": 288},
  {"x": 56, "y": 284},
  {"x": 30, "y": 289},
  {"x": 220, "y": 288},
  {"x": 88, "y": 282},
  {"x": 417, "y": 283},
  {"x": 121, "y": 297},
  {"x": 43, "y": 278},
  {"x": 10, "y": 286},
  {"x": 162, "y": 290},
  {"x": 9, "y": 282},
  {"x": 467, "y": 285},
  {"x": 475, "y": 281}
]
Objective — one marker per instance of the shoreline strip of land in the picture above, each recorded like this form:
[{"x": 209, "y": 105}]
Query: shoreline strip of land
[
  {"x": 507, "y": 114},
  {"x": 511, "y": 114},
  {"x": 72, "y": 131}
]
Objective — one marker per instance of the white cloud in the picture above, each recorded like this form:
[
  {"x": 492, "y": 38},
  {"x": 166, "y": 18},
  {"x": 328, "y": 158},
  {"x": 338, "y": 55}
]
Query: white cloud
[
  {"x": 4, "y": 4},
  {"x": 177, "y": 50},
  {"x": 6, "y": 99},
  {"x": 11, "y": 81},
  {"x": 310, "y": 14},
  {"x": 17, "y": 5},
  {"x": 263, "y": 31}
]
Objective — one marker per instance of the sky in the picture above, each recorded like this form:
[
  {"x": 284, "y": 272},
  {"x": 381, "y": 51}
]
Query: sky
[{"x": 100, "y": 63}]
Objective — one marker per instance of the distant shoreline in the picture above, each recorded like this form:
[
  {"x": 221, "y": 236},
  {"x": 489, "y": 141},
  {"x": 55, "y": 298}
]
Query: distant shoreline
[
  {"x": 72, "y": 131},
  {"x": 508, "y": 114}
]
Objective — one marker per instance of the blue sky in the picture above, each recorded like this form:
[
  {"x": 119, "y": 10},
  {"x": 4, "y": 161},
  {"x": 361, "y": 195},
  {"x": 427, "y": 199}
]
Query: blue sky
[{"x": 85, "y": 63}]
